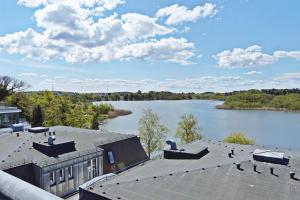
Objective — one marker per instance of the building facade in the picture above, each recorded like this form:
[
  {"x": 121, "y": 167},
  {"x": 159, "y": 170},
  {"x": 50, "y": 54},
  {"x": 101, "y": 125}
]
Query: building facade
[
  {"x": 9, "y": 116},
  {"x": 60, "y": 159}
]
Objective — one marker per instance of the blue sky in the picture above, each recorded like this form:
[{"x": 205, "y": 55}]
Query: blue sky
[{"x": 125, "y": 45}]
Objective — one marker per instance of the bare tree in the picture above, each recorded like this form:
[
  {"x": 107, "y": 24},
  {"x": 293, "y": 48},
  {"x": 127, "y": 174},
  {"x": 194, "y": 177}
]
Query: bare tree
[{"x": 8, "y": 85}]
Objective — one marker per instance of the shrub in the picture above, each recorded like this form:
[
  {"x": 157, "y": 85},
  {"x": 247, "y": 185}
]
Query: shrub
[{"x": 238, "y": 138}]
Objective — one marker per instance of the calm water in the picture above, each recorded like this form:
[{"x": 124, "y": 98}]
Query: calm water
[{"x": 274, "y": 129}]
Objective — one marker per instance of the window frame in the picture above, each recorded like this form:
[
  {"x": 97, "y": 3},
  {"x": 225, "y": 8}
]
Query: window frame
[
  {"x": 70, "y": 175},
  {"x": 52, "y": 178},
  {"x": 62, "y": 175}
]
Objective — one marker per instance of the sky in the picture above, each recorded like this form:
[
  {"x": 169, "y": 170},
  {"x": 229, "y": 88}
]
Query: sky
[{"x": 130, "y": 45}]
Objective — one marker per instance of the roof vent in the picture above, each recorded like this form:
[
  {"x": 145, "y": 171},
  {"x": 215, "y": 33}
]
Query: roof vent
[
  {"x": 270, "y": 156},
  {"x": 51, "y": 139},
  {"x": 292, "y": 175},
  {"x": 272, "y": 170},
  {"x": 238, "y": 166},
  {"x": 172, "y": 144},
  {"x": 232, "y": 151},
  {"x": 255, "y": 167}
]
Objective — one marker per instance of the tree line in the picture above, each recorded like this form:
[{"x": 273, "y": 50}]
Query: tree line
[
  {"x": 269, "y": 100},
  {"x": 47, "y": 109}
]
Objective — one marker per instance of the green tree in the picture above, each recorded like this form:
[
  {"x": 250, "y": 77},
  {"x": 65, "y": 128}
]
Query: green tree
[
  {"x": 238, "y": 138},
  {"x": 37, "y": 116},
  {"x": 95, "y": 122},
  {"x": 188, "y": 129},
  {"x": 9, "y": 85},
  {"x": 151, "y": 131}
]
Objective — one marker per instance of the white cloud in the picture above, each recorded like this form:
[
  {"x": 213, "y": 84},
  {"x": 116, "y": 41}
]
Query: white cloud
[
  {"x": 166, "y": 49},
  {"x": 31, "y": 74},
  {"x": 287, "y": 54},
  {"x": 106, "y": 4},
  {"x": 178, "y": 14},
  {"x": 139, "y": 26},
  {"x": 253, "y": 73},
  {"x": 71, "y": 32},
  {"x": 251, "y": 57},
  {"x": 193, "y": 84},
  {"x": 59, "y": 77}
]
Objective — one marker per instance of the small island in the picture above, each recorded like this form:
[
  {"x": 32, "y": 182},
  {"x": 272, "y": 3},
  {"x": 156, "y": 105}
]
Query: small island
[{"x": 118, "y": 112}]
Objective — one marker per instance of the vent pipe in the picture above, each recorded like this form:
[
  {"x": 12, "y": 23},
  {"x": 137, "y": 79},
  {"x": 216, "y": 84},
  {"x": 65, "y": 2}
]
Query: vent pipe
[
  {"x": 18, "y": 134},
  {"x": 232, "y": 151},
  {"x": 172, "y": 144},
  {"x": 292, "y": 175},
  {"x": 229, "y": 155},
  {"x": 255, "y": 167},
  {"x": 51, "y": 140},
  {"x": 238, "y": 166},
  {"x": 272, "y": 170}
]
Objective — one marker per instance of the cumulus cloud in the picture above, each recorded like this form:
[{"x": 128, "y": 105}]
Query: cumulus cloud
[
  {"x": 105, "y": 4},
  {"x": 70, "y": 31},
  {"x": 178, "y": 14},
  {"x": 253, "y": 73},
  {"x": 166, "y": 49},
  {"x": 251, "y": 57}
]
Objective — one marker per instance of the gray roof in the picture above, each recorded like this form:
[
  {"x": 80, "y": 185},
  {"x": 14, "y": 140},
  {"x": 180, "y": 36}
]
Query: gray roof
[
  {"x": 4, "y": 110},
  {"x": 220, "y": 178},
  {"x": 16, "y": 151}
]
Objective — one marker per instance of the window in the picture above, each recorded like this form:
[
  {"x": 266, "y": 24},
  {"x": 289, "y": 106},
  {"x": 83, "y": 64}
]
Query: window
[
  {"x": 62, "y": 175},
  {"x": 92, "y": 168},
  {"x": 52, "y": 178},
  {"x": 111, "y": 158},
  {"x": 70, "y": 172}
]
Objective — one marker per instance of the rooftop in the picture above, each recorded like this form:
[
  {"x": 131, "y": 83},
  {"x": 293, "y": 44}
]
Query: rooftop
[
  {"x": 213, "y": 176},
  {"x": 15, "y": 151},
  {"x": 5, "y": 109}
]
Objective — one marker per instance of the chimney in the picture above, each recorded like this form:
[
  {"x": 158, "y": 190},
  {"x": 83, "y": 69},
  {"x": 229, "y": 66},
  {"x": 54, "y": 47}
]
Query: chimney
[
  {"x": 54, "y": 132},
  {"x": 229, "y": 155},
  {"x": 238, "y": 166},
  {"x": 272, "y": 170},
  {"x": 292, "y": 175},
  {"x": 18, "y": 134},
  {"x": 255, "y": 167},
  {"x": 50, "y": 133}
]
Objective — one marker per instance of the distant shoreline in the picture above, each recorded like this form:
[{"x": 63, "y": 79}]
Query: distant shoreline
[{"x": 225, "y": 107}]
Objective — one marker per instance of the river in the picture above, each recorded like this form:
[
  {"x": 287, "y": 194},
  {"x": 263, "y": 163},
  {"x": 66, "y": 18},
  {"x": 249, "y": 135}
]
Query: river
[{"x": 270, "y": 128}]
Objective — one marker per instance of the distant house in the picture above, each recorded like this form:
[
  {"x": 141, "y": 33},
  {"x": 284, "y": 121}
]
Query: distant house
[
  {"x": 59, "y": 159},
  {"x": 9, "y": 116},
  {"x": 206, "y": 170}
]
